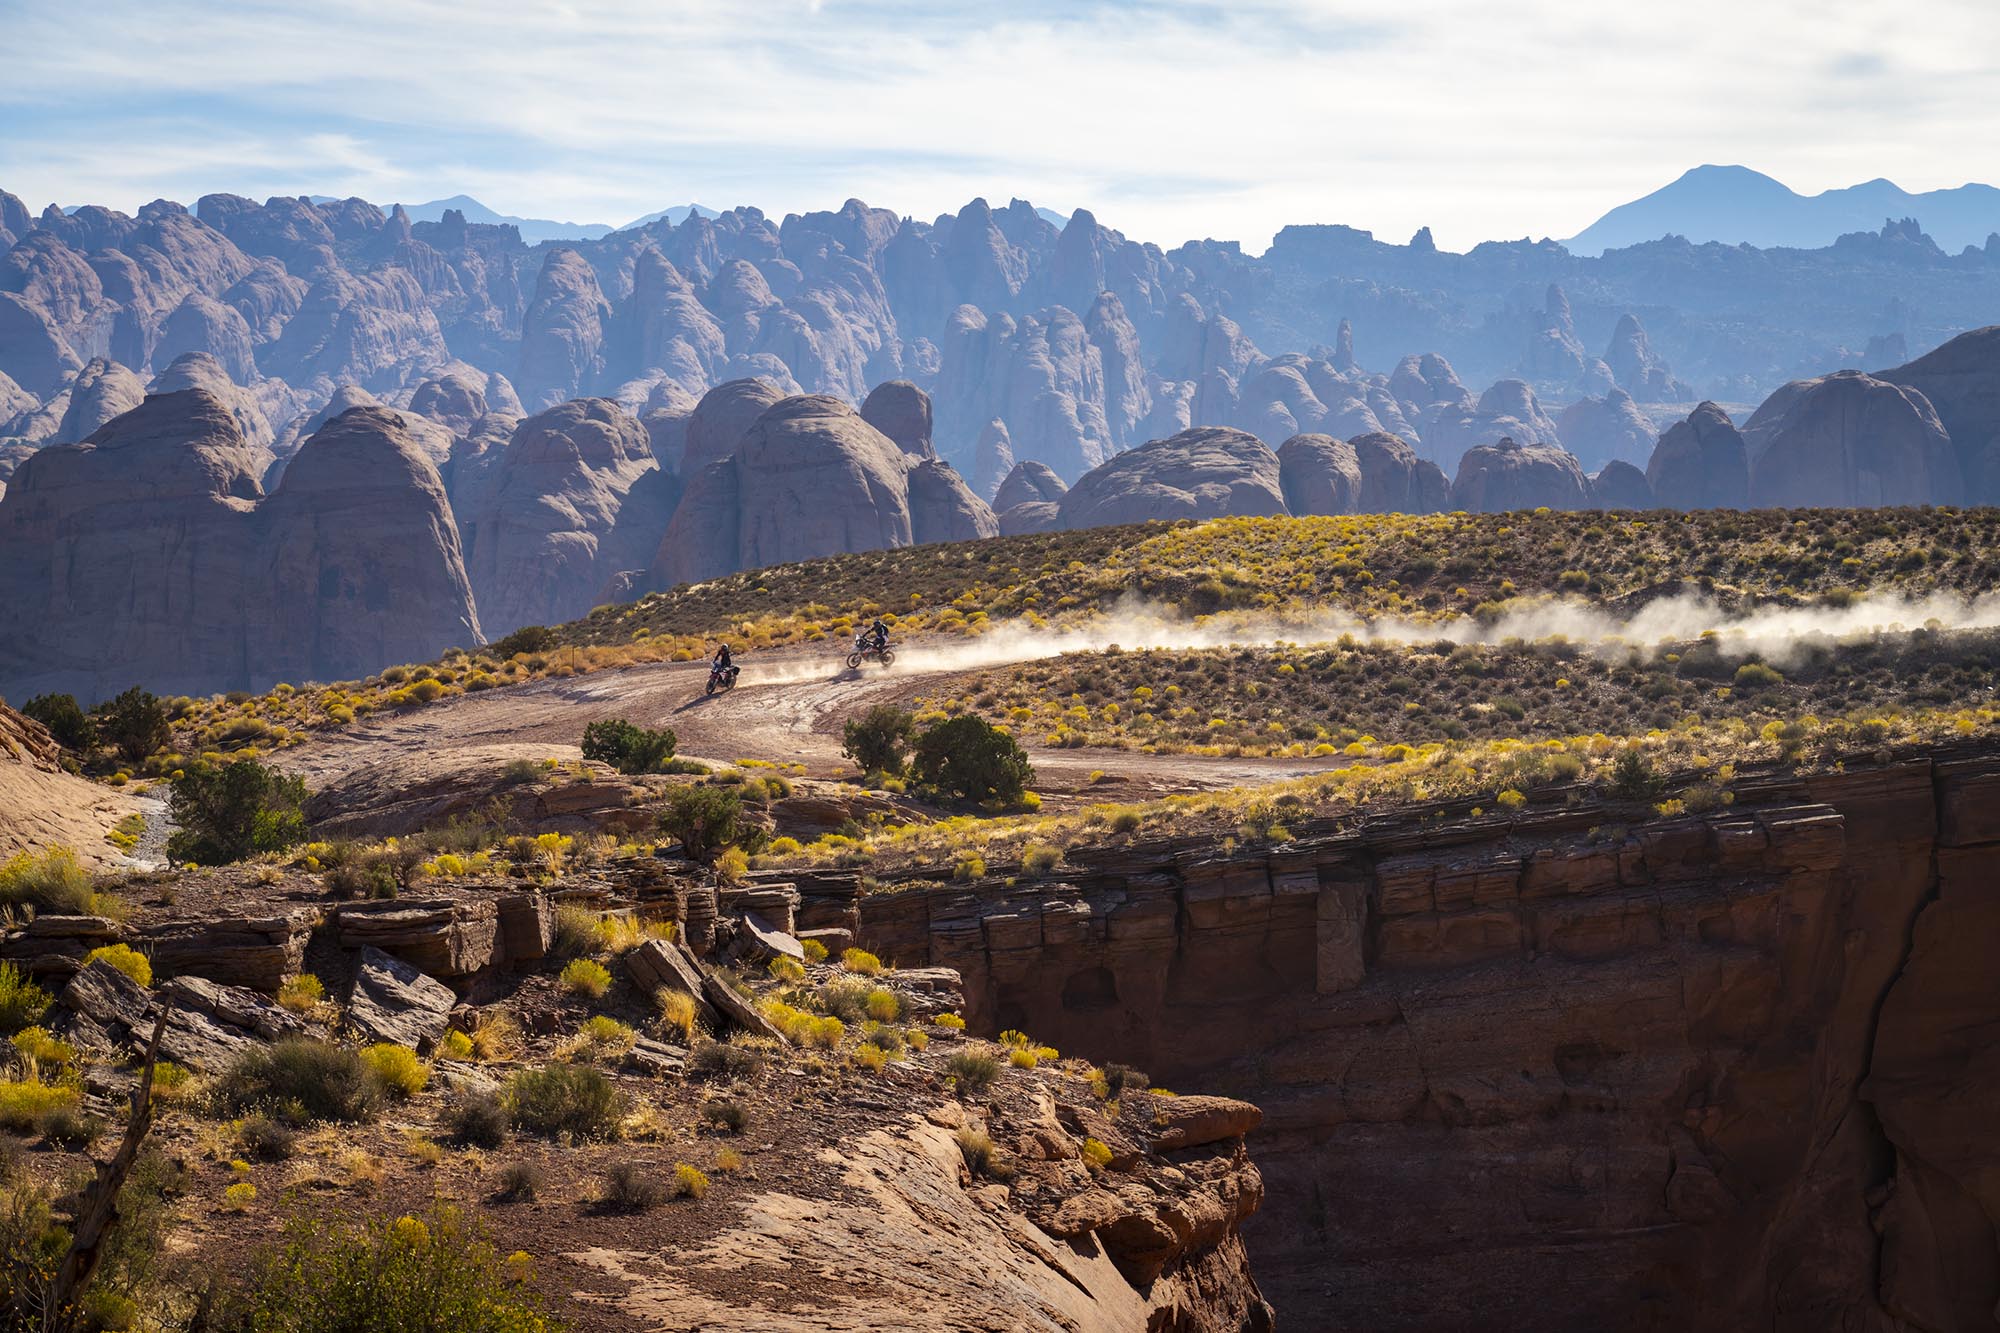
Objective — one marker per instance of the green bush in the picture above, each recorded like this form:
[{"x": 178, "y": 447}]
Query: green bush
[
  {"x": 971, "y": 758},
  {"x": 478, "y": 1120},
  {"x": 229, "y": 813},
  {"x": 1633, "y": 777},
  {"x": 972, "y": 1071},
  {"x": 705, "y": 819},
  {"x": 1755, "y": 675},
  {"x": 565, "y": 1099},
  {"x": 303, "y": 1079},
  {"x": 69, "y": 724},
  {"x": 628, "y": 748},
  {"x": 879, "y": 740},
  {"x": 400, "y": 1275},
  {"x": 527, "y": 639},
  {"x": 134, "y": 724}
]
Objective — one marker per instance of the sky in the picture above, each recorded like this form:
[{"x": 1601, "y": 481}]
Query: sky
[{"x": 1170, "y": 119}]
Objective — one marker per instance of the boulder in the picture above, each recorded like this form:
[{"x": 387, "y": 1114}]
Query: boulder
[
  {"x": 1701, "y": 463},
  {"x": 722, "y": 418},
  {"x": 101, "y": 390},
  {"x": 1029, "y": 482},
  {"x": 1179, "y": 1123},
  {"x": 1208, "y": 472},
  {"x": 1848, "y": 439},
  {"x": 657, "y": 965},
  {"x": 1505, "y": 476},
  {"x": 394, "y": 1002},
  {"x": 256, "y": 953},
  {"x": 1619, "y": 485},
  {"x": 442, "y": 937}
]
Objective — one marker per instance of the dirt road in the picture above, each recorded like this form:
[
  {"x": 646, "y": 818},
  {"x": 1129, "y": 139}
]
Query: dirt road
[{"x": 788, "y": 707}]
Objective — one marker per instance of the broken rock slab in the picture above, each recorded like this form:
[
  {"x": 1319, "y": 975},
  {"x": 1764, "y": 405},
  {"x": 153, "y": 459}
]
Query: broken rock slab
[
  {"x": 663, "y": 965},
  {"x": 762, "y": 939},
  {"x": 394, "y": 1002}
]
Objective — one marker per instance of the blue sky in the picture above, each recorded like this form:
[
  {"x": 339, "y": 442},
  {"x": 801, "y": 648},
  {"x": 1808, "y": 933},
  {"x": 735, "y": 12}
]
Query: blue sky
[{"x": 1170, "y": 119}]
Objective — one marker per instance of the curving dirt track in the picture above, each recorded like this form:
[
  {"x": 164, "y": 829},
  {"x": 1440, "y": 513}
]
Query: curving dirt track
[{"x": 788, "y": 707}]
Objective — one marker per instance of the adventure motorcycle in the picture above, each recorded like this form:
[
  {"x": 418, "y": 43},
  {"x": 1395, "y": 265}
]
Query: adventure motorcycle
[
  {"x": 865, "y": 649},
  {"x": 722, "y": 678}
]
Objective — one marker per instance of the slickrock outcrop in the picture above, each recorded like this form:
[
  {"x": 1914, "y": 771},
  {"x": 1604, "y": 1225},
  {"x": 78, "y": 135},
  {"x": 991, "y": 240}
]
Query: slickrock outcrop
[
  {"x": 1208, "y": 472},
  {"x": 993, "y": 460},
  {"x": 901, "y": 411},
  {"x": 575, "y": 498},
  {"x": 563, "y": 332},
  {"x": 1849, "y": 439},
  {"x": 351, "y": 564},
  {"x": 1619, "y": 485},
  {"x": 722, "y": 418},
  {"x": 1690, "y": 1101},
  {"x": 101, "y": 390},
  {"x": 1637, "y": 368},
  {"x": 1701, "y": 463},
  {"x": 1394, "y": 480},
  {"x": 199, "y": 370},
  {"x": 812, "y": 478},
  {"x": 1962, "y": 381},
  {"x": 1495, "y": 478},
  {"x": 43, "y": 806},
  {"x": 1319, "y": 475},
  {"x": 1028, "y": 482},
  {"x": 1508, "y": 410},
  {"x": 1599, "y": 430}
]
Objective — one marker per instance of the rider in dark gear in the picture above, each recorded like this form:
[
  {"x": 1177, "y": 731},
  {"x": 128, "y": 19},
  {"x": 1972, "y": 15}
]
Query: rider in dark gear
[
  {"x": 721, "y": 660},
  {"x": 878, "y": 636}
]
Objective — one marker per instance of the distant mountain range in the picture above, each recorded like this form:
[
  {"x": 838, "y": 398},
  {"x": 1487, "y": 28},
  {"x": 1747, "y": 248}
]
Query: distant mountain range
[
  {"x": 534, "y": 230},
  {"x": 1738, "y": 206}
]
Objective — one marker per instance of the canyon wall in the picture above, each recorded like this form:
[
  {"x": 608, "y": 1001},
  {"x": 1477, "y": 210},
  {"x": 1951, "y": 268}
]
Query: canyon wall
[{"x": 1550, "y": 1071}]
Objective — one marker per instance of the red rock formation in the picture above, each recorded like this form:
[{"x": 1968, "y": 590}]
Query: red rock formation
[{"x": 1544, "y": 1072}]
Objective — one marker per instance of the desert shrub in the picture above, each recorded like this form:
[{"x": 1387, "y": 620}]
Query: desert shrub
[
  {"x": 678, "y": 1011},
  {"x": 527, "y": 639},
  {"x": 970, "y": 865},
  {"x": 883, "y": 1006},
  {"x": 22, "y": 1002},
  {"x": 879, "y": 740},
  {"x": 393, "y": 1275},
  {"x": 972, "y": 1072},
  {"x": 238, "y": 1197},
  {"x": 69, "y": 724},
  {"x": 705, "y": 819},
  {"x": 870, "y": 1057},
  {"x": 53, "y": 881},
  {"x": 689, "y": 1182},
  {"x": 626, "y": 747},
  {"x": 1040, "y": 859},
  {"x": 629, "y": 1187},
  {"x": 970, "y": 758},
  {"x": 226, "y": 814},
  {"x": 302, "y": 993},
  {"x": 1755, "y": 675},
  {"x": 477, "y": 1120},
  {"x": 264, "y": 1137},
  {"x": 135, "y": 724},
  {"x": 303, "y": 1079},
  {"x": 860, "y": 960},
  {"x": 583, "y": 977},
  {"x": 519, "y": 1182},
  {"x": 1097, "y": 1153},
  {"x": 815, "y": 952},
  {"x": 951, "y": 1021},
  {"x": 732, "y": 864},
  {"x": 565, "y": 1099},
  {"x": 724, "y": 1060},
  {"x": 397, "y": 1068},
  {"x": 27, "y": 1104},
  {"x": 982, "y": 1156},
  {"x": 1117, "y": 1078},
  {"x": 126, "y": 959},
  {"x": 724, "y": 1114}
]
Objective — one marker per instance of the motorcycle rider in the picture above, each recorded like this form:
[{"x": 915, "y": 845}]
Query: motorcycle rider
[
  {"x": 877, "y": 637},
  {"x": 722, "y": 664}
]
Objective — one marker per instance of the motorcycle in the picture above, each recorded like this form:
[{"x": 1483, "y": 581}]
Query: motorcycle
[
  {"x": 722, "y": 678},
  {"x": 866, "y": 649}
]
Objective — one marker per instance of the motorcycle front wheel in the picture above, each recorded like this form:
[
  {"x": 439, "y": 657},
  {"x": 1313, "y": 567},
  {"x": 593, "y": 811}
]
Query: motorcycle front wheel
[{"x": 853, "y": 661}]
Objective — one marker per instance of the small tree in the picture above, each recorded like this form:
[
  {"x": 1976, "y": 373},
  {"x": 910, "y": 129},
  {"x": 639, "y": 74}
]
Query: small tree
[
  {"x": 628, "y": 748},
  {"x": 134, "y": 724},
  {"x": 879, "y": 740},
  {"x": 706, "y": 819},
  {"x": 68, "y": 723},
  {"x": 226, "y": 814},
  {"x": 969, "y": 757},
  {"x": 527, "y": 639}
]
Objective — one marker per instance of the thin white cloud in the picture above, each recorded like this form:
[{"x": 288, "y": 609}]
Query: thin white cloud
[{"x": 1172, "y": 119}]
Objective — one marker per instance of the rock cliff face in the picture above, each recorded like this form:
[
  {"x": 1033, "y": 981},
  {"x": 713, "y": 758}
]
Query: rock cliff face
[
  {"x": 1962, "y": 381},
  {"x": 150, "y": 552},
  {"x": 1702, "y": 463},
  {"x": 1732, "y": 1062},
  {"x": 43, "y": 806}
]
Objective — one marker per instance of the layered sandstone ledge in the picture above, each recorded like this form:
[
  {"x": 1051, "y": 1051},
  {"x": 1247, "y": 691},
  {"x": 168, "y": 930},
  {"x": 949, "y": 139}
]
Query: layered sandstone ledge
[{"x": 1549, "y": 1070}]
